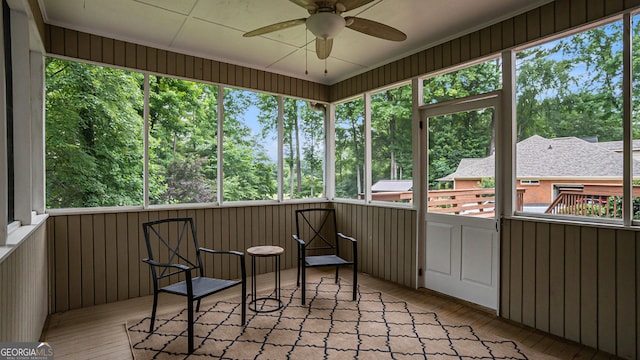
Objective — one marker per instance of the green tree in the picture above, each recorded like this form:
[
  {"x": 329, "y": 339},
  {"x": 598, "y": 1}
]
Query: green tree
[
  {"x": 93, "y": 135},
  {"x": 572, "y": 86},
  {"x": 465, "y": 135},
  {"x": 183, "y": 140},
  {"x": 249, "y": 172},
  {"x": 349, "y": 134},
  {"x": 391, "y": 134}
]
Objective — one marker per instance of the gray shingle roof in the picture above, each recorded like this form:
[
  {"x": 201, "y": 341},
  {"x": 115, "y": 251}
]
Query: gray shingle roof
[
  {"x": 539, "y": 157},
  {"x": 617, "y": 145},
  {"x": 392, "y": 185}
]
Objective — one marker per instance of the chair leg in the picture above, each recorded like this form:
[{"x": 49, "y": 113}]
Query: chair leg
[
  {"x": 190, "y": 325},
  {"x": 304, "y": 284},
  {"x": 153, "y": 311},
  {"x": 298, "y": 276},
  {"x": 244, "y": 301},
  {"x": 355, "y": 282},
  {"x": 198, "y": 306}
]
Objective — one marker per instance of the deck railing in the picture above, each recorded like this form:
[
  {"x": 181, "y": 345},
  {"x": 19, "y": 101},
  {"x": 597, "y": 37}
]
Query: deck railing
[
  {"x": 473, "y": 202},
  {"x": 598, "y": 200}
]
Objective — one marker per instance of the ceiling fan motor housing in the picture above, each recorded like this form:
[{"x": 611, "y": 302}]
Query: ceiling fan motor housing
[{"x": 325, "y": 25}]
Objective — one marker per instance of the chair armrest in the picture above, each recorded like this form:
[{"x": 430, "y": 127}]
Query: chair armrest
[
  {"x": 176, "y": 266},
  {"x": 231, "y": 252},
  {"x": 298, "y": 240},
  {"x": 343, "y": 236}
]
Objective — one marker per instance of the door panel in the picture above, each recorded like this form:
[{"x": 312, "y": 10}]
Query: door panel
[
  {"x": 439, "y": 250},
  {"x": 477, "y": 252}
]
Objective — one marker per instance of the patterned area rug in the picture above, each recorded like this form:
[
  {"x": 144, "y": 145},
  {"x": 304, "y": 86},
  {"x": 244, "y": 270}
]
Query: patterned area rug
[{"x": 330, "y": 326}]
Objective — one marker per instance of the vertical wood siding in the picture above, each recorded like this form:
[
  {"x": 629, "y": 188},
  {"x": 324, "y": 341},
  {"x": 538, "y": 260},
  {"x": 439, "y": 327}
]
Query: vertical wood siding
[
  {"x": 531, "y": 26},
  {"x": 96, "y": 259},
  {"x": 103, "y": 50},
  {"x": 386, "y": 240},
  {"x": 577, "y": 282},
  {"x": 23, "y": 290}
]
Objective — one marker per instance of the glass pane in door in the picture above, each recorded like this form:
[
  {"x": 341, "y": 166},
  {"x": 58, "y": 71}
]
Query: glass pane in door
[{"x": 461, "y": 164}]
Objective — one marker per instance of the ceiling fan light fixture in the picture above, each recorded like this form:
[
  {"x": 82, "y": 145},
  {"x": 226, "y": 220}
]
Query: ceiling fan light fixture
[{"x": 325, "y": 25}]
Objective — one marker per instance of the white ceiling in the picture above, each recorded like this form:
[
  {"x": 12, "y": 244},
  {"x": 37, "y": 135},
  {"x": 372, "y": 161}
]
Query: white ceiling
[{"x": 213, "y": 29}]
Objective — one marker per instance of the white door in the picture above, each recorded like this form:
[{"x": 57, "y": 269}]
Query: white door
[{"x": 461, "y": 230}]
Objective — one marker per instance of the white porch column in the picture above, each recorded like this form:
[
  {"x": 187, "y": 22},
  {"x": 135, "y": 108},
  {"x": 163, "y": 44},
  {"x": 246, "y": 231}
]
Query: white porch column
[{"x": 20, "y": 62}]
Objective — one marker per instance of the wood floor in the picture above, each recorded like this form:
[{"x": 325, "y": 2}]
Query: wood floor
[{"x": 98, "y": 332}]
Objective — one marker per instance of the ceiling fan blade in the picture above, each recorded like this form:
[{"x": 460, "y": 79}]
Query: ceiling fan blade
[
  {"x": 352, "y": 4},
  {"x": 275, "y": 27},
  {"x": 375, "y": 28},
  {"x": 307, "y": 4},
  {"x": 323, "y": 47}
]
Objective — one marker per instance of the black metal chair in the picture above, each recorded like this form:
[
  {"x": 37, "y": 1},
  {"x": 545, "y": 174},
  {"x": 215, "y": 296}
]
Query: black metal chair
[
  {"x": 319, "y": 225},
  {"x": 172, "y": 236}
]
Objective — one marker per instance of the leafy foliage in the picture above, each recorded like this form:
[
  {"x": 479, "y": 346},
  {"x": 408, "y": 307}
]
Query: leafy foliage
[
  {"x": 391, "y": 134},
  {"x": 464, "y": 135},
  {"x": 94, "y": 146},
  {"x": 349, "y": 132},
  {"x": 183, "y": 141}
]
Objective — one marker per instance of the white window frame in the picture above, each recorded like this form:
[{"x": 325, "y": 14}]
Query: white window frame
[{"x": 627, "y": 83}]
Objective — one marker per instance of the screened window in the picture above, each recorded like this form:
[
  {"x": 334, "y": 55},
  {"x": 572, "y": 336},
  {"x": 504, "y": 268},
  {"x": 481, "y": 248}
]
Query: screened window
[
  {"x": 95, "y": 149},
  {"x": 94, "y": 127},
  {"x": 569, "y": 124},
  {"x": 349, "y": 140},
  {"x": 473, "y": 80},
  {"x": 183, "y": 141},
  {"x": 391, "y": 145},
  {"x": 303, "y": 149},
  {"x": 250, "y": 146}
]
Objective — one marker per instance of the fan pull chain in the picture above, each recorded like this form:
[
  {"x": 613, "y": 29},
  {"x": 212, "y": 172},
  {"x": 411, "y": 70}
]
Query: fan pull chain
[
  {"x": 306, "y": 52},
  {"x": 325, "y": 59}
]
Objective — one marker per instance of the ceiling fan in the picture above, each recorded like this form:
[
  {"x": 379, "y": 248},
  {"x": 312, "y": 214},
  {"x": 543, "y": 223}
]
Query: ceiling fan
[{"x": 325, "y": 23}]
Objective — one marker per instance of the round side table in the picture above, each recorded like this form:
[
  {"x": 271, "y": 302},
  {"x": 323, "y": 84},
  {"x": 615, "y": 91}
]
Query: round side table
[{"x": 265, "y": 251}]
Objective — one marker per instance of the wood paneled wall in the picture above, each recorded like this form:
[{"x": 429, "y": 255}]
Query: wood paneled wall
[
  {"x": 386, "y": 240},
  {"x": 103, "y": 50},
  {"x": 549, "y": 19},
  {"x": 96, "y": 258},
  {"x": 23, "y": 290},
  {"x": 577, "y": 282}
]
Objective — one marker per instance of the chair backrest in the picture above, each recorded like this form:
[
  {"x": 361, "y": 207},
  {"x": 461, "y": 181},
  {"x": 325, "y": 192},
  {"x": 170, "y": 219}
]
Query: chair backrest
[
  {"x": 317, "y": 227},
  {"x": 172, "y": 241}
]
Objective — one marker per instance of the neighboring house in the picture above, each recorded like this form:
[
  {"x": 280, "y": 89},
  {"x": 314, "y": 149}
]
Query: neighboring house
[
  {"x": 392, "y": 185},
  {"x": 617, "y": 147},
  {"x": 544, "y": 164}
]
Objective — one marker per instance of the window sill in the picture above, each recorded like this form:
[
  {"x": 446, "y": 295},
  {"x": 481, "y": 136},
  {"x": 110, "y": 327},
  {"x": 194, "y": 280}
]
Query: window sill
[
  {"x": 571, "y": 220},
  {"x": 18, "y": 234}
]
